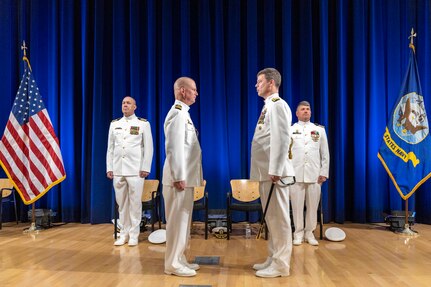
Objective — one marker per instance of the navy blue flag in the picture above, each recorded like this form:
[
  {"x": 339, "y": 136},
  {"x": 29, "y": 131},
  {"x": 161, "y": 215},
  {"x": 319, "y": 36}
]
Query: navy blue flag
[{"x": 405, "y": 151}]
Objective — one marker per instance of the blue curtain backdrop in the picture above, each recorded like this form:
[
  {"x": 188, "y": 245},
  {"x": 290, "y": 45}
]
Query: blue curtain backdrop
[{"x": 347, "y": 58}]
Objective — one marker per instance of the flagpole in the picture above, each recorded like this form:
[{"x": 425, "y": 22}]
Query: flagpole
[
  {"x": 407, "y": 230},
  {"x": 33, "y": 218},
  {"x": 406, "y": 222},
  {"x": 33, "y": 215},
  {"x": 32, "y": 227}
]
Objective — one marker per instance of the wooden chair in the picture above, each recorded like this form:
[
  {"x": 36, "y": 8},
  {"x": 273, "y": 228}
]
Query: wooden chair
[
  {"x": 151, "y": 200},
  {"x": 7, "y": 192},
  {"x": 244, "y": 197},
  {"x": 201, "y": 203}
]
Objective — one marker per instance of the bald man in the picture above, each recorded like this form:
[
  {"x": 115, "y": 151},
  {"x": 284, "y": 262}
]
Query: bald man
[
  {"x": 128, "y": 163},
  {"x": 182, "y": 171}
]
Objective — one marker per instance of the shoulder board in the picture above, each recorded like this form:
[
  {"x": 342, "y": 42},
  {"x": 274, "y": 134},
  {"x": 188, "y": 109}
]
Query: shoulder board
[
  {"x": 178, "y": 107},
  {"x": 319, "y": 125},
  {"x": 275, "y": 99},
  {"x": 142, "y": 119},
  {"x": 115, "y": 120}
]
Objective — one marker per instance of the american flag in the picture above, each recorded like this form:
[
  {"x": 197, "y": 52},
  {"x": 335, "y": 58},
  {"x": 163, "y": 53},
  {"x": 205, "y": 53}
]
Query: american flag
[{"x": 29, "y": 149}]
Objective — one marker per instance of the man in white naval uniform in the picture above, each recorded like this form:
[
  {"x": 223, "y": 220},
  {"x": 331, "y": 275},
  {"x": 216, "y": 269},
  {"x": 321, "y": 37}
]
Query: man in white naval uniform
[
  {"x": 310, "y": 157},
  {"x": 182, "y": 171},
  {"x": 128, "y": 163},
  {"x": 270, "y": 163}
]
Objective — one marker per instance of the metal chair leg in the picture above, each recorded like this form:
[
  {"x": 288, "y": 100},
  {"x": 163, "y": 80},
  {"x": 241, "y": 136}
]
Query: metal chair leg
[
  {"x": 1, "y": 209},
  {"x": 321, "y": 217},
  {"x": 159, "y": 212},
  {"x": 14, "y": 204},
  {"x": 115, "y": 220},
  {"x": 153, "y": 219},
  {"x": 206, "y": 220},
  {"x": 229, "y": 222}
]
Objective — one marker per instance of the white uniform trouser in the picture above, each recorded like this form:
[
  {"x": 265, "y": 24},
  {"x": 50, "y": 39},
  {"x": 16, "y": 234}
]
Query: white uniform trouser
[
  {"x": 278, "y": 222},
  {"x": 311, "y": 193},
  {"x": 128, "y": 194},
  {"x": 178, "y": 212}
]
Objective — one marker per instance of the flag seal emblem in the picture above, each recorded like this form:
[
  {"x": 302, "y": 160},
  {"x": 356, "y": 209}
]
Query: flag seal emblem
[{"x": 410, "y": 122}]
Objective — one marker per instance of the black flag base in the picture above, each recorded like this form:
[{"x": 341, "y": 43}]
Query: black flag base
[
  {"x": 407, "y": 231},
  {"x": 33, "y": 229},
  {"x": 397, "y": 220}
]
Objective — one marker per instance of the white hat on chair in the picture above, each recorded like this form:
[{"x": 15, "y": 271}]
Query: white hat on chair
[
  {"x": 158, "y": 236},
  {"x": 335, "y": 234}
]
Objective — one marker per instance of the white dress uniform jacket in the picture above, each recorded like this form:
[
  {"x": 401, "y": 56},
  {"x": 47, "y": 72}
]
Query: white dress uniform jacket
[
  {"x": 130, "y": 146},
  {"x": 310, "y": 153},
  {"x": 183, "y": 152},
  {"x": 270, "y": 145}
]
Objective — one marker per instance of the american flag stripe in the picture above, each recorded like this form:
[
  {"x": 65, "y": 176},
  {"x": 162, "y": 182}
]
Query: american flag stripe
[
  {"x": 46, "y": 121},
  {"x": 44, "y": 132},
  {"x": 36, "y": 164},
  {"x": 39, "y": 146},
  {"x": 17, "y": 147},
  {"x": 31, "y": 167},
  {"x": 18, "y": 152},
  {"x": 29, "y": 149},
  {"x": 46, "y": 144},
  {"x": 15, "y": 174}
]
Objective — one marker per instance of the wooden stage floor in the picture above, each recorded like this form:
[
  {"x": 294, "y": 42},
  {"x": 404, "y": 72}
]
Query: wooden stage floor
[{"x": 83, "y": 255}]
